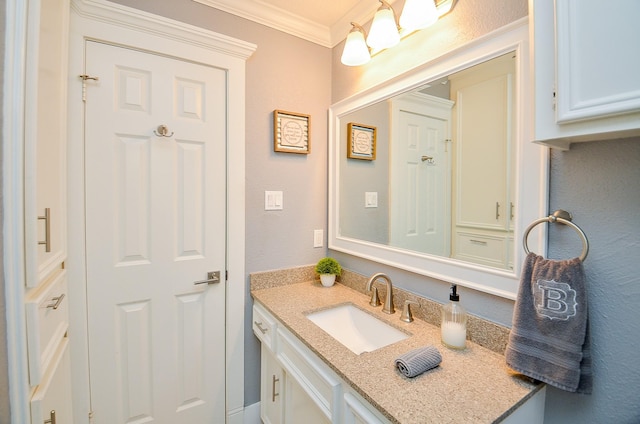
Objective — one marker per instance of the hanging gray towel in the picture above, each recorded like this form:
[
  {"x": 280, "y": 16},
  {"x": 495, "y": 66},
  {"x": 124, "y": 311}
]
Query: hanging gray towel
[
  {"x": 549, "y": 336},
  {"x": 418, "y": 360}
]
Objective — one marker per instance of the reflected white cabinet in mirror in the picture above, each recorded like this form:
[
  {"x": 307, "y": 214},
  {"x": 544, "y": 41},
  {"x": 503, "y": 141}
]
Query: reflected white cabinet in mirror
[{"x": 437, "y": 193}]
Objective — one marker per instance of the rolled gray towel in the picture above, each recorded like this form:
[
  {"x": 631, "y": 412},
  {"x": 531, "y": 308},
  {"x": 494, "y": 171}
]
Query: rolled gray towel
[{"x": 418, "y": 360}]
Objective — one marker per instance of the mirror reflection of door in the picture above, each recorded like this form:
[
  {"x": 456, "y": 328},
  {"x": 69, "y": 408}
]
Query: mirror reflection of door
[{"x": 420, "y": 174}]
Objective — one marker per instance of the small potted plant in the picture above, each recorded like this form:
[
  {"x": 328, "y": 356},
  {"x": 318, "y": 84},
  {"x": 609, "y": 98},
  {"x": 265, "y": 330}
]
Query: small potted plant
[{"x": 328, "y": 268}]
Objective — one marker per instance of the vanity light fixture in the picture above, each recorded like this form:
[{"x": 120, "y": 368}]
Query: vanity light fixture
[
  {"x": 418, "y": 14},
  {"x": 386, "y": 31},
  {"x": 384, "y": 28},
  {"x": 356, "y": 51}
]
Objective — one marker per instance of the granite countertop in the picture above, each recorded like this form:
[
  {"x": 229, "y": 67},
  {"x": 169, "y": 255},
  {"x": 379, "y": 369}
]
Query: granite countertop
[{"x": 469, "y": 386}]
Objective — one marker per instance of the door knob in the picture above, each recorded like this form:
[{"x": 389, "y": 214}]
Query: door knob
[
  {"x": 162, "y": 131},
  {"x": 213, "y": 277}
]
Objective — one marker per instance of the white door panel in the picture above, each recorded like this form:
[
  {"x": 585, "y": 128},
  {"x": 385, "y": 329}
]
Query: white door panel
[
  {"x": 421, "y": 168},
  {"x": 155, "y": 216}
]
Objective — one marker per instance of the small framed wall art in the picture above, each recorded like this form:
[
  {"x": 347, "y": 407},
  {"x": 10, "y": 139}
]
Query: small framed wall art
[
  {"x": 291, "y": 132},
  {"x": 362, "y": 142}
]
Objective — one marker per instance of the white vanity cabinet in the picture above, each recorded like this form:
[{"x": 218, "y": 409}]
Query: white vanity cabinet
[
  {"x": 587, "y": 85},
  {"x": 296, "y": 386},
  {"x": 46, "y": 297}
]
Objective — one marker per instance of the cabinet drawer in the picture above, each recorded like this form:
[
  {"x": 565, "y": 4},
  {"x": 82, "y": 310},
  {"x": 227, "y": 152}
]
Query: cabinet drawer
[
  {"x": 264, "y": 326},
  {"x": 320, "y": 384},
  {"x": 47, "y": 316},
  {"x": 480, "y": 248},
  {"x": 53, "y": 395}
]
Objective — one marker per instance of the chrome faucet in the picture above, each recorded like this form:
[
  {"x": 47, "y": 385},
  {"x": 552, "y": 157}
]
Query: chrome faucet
[{"x": 388, "y": 303}]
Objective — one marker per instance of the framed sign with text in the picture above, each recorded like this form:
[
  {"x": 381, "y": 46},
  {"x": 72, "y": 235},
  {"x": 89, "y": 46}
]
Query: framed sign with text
[
  {"x": 291, "y": 132},
  {"x": 361, "y": 142}
]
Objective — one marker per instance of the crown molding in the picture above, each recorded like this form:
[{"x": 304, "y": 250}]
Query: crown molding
[{"x": 276, "y": 18}]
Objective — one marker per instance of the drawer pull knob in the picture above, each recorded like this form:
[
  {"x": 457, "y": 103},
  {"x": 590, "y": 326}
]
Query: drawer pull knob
[
  {"x": 259, "y": 325},
  {"x": 273, "y": 388},
  {"x": 56, "y": 303},
  {"x": 483, "y": 243},
  {"x": 47, "y": 229}
]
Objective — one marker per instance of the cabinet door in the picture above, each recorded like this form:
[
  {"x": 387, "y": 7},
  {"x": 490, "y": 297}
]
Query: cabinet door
[
  {"x": 271, "y": 388},
  {"x": 311, "y": 380},
  {"x": 52, "y": 398},
  {"x": 483, "y": 133},
  {"x": 597, "y": 70},
  {"x": 356, "y": 411},
  {"x": 45, "y": 134},
  {"x": 300, "y": 407}
]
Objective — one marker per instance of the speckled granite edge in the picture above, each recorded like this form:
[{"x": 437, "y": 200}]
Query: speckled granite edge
[{"x": 485, "y": 333}]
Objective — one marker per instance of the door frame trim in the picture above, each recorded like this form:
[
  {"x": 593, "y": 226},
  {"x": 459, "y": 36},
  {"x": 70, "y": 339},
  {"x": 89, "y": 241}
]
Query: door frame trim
[
  {"x": 114, "y": 24},
  {"x": 13, "y": 210}
]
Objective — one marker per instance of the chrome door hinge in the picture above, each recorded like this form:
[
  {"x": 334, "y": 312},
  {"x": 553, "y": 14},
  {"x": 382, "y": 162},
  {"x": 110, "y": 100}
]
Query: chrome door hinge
[{"x": 84, "y": 84}]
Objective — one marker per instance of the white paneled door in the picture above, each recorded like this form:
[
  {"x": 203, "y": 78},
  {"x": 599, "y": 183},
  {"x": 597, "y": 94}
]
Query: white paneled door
[
  {"x": 155, "y": 225},
  {"x": 421, "y": 168}
]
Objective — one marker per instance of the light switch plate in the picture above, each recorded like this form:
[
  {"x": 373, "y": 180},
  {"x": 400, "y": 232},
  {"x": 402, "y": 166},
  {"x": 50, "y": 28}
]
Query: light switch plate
[
  {"x": 273, "y": 201},
  {"x": 371, "y": 199}
]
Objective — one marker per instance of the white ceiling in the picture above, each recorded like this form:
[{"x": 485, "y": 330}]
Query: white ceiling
[{"x": 324, "y": 22}]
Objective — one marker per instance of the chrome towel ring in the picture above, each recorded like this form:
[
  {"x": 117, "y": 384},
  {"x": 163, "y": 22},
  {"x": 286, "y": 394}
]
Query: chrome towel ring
[{"x": 563, "y": 217}]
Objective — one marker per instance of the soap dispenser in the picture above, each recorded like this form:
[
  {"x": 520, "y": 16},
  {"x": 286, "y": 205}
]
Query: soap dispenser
[{"x": 453, "y": 328}]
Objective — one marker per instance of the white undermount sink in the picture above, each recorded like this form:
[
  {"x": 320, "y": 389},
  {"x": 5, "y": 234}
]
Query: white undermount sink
[{"x": 355, "y": 328}]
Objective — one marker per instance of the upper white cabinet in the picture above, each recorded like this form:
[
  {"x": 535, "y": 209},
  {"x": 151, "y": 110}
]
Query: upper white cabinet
[
  {"x": 586, "y": 70},
  {"x": 45, "y": 138}
]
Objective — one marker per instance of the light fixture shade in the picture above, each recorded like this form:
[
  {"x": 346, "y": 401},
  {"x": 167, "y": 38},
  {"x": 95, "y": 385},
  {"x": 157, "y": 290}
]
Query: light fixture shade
[
  {"x": 418, "y": 14},
  {"x": 355, "y": 50},
  {"x": 384, "y": 30}
]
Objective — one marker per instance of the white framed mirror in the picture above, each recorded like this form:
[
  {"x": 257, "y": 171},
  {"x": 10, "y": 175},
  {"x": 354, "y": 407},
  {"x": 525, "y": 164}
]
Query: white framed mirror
[{"x": 454, "y": 179}]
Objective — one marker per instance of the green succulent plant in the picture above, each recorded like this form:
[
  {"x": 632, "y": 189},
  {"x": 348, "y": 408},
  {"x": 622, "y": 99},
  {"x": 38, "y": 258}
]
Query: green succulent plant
[{"x": 328, "y": 266}]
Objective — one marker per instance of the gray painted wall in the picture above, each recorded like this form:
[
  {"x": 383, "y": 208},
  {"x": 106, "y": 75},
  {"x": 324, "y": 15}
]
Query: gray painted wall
[
  {"x": 599, "y": 183},
  {"x": 356, "y": 220}
]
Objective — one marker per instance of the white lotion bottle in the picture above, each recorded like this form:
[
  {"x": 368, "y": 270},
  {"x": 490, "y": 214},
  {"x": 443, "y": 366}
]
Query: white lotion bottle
[{"x": 453, "y": 329}]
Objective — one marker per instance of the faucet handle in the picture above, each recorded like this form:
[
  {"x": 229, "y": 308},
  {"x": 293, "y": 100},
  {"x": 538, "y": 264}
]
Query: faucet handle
[
  {"x": 407, "y": 316},
  {"x": 375, "y": 299}
]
